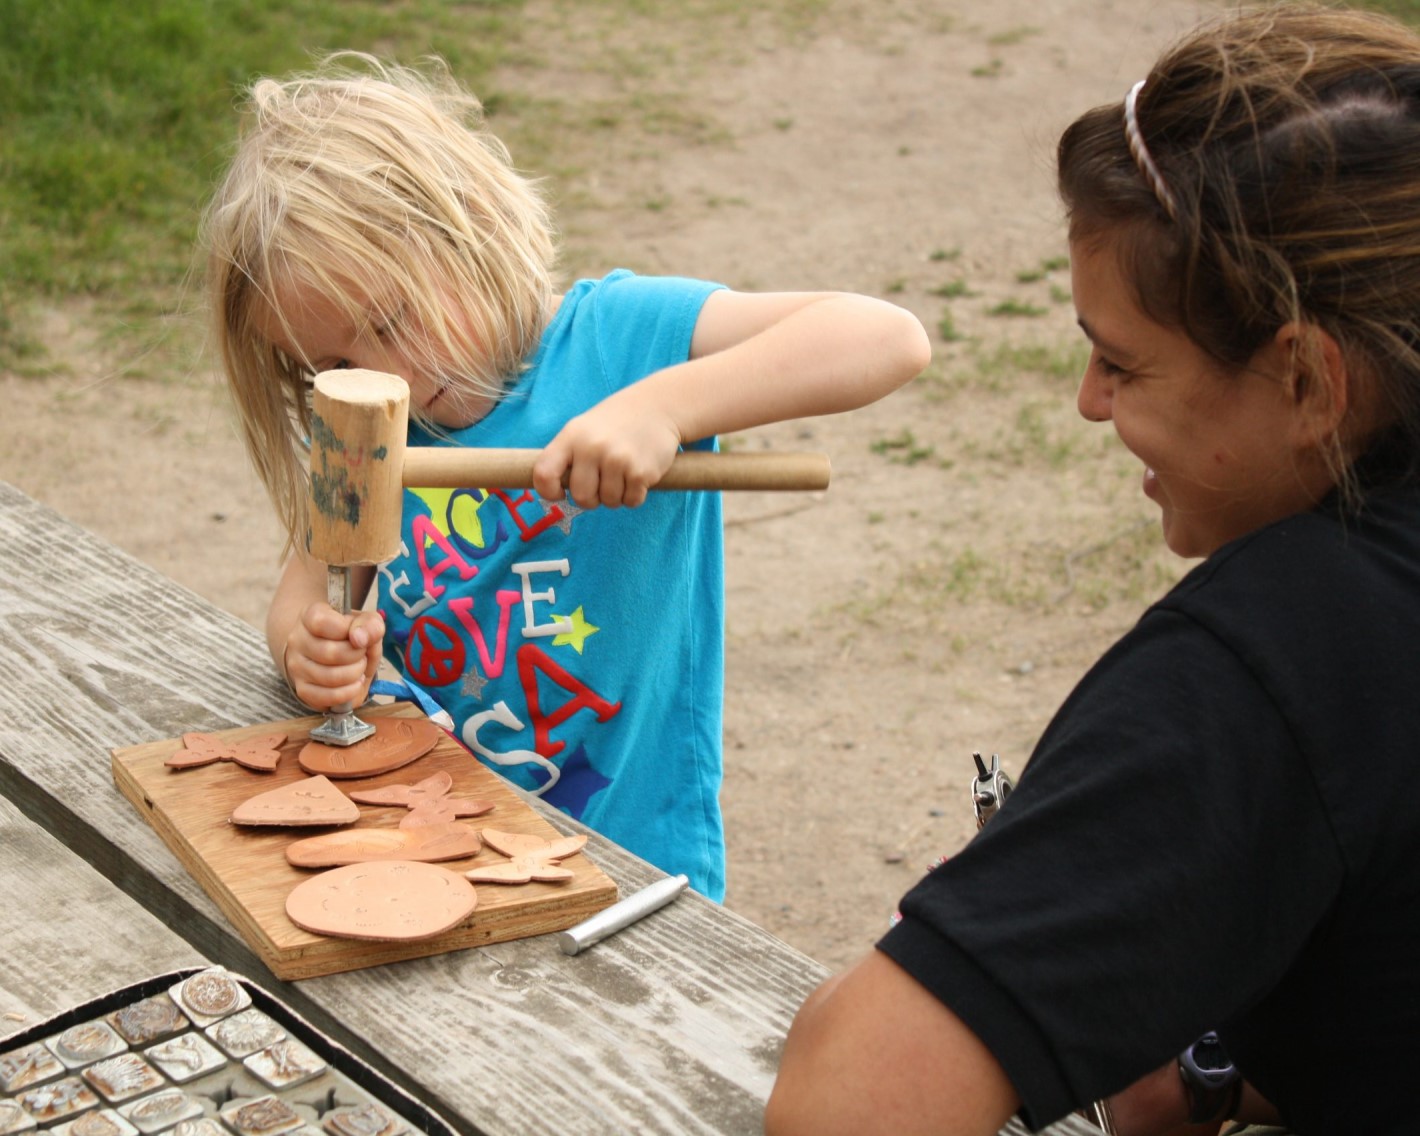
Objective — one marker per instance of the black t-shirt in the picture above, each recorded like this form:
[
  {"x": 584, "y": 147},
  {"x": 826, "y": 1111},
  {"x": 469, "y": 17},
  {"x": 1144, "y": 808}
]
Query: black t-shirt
[{"x": 1219, "y": 830}]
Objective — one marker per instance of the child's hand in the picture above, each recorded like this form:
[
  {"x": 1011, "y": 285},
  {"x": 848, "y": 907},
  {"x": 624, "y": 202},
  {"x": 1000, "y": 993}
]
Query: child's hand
[
  {"x": 611, "y": 455},
  {"x": 331, "y": 658}
]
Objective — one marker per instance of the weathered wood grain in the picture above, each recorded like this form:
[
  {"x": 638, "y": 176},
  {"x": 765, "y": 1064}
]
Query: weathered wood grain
[
  {"x": 69, "y": 935},
  {"x": 673, "y": 1025}
]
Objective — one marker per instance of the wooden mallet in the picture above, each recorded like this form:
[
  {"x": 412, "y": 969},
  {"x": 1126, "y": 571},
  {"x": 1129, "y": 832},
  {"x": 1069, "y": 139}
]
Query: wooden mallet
[{"x": 360, "y": 466}]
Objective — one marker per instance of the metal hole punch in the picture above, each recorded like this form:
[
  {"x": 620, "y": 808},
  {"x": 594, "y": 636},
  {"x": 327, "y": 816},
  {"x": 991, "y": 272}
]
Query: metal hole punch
[{"x": 989, "y": 788}]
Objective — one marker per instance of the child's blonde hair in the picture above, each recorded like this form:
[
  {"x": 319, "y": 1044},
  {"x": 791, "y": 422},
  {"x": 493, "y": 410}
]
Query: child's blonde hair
[{"x": 379, "y": 189}]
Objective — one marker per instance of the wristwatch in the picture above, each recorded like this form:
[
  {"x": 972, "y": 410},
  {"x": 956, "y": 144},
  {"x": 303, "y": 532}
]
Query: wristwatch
[{"x": 1213, "y": 1085}]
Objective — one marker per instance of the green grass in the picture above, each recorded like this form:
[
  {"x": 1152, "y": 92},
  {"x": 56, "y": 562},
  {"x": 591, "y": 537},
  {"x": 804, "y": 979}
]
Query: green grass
[{"x": 115, "y": 119}]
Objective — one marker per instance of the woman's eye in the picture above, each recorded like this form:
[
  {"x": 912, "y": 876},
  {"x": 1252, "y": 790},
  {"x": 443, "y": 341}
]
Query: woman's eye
[{"x": 1112, "y": 370}]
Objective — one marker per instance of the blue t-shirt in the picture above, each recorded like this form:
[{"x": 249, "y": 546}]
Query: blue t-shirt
[{"x": 579, "y": 653}]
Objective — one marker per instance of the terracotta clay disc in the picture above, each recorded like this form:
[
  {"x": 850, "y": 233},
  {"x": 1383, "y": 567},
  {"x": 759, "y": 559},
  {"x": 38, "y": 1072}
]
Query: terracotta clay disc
[
  {"x": 395, "y": 742},
  {"x": 387, "y": 901},
  {"x": 310, "y": 801},
  {"x": 362, "y": 845}
]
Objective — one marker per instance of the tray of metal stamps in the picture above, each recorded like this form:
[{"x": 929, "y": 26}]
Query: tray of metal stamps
[{"x": 195, "y": 1053}]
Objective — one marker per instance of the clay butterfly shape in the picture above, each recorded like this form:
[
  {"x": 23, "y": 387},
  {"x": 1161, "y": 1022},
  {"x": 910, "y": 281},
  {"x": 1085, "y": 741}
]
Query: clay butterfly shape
[
  {"x": 261, "y": 753},
  {"x": 428, "y": 801},
  {"x": 530, "y": 858}
]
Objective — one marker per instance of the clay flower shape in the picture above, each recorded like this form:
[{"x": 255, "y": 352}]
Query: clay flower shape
[
  {"x": 530, "y": 858},
  {"x": 428, "y": 801},
  {"x": 260, "y": 753}
]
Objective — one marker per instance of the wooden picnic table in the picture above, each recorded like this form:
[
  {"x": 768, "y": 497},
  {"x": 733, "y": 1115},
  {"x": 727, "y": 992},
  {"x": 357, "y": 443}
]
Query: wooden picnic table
[{"x": 673, "y": 1025}]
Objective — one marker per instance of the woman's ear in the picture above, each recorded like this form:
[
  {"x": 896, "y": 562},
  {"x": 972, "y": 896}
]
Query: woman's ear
[{"x": 1318, "y": 382}]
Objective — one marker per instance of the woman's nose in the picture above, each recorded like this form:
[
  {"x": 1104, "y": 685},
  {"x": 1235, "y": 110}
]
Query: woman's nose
[{"x": 1095, "y": 395}]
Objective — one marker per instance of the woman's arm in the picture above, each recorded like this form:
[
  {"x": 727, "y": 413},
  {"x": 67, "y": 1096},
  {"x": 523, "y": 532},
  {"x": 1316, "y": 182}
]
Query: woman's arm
[
  {"x": 872, "y": 1051},
  {"x": 755, "y": 358}
]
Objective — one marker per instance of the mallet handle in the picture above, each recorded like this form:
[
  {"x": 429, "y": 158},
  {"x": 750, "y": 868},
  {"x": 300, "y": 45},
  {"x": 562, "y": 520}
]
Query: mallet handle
[{"x": 446, "y": 467}]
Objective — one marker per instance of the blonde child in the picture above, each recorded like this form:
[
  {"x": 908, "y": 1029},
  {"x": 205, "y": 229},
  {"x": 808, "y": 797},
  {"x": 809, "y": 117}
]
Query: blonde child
[{"x": 369, "y": 219}]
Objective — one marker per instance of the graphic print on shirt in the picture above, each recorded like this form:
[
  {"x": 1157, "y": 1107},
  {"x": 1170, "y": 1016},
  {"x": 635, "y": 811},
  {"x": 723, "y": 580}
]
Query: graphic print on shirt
[{"x": 472, "y": 608}]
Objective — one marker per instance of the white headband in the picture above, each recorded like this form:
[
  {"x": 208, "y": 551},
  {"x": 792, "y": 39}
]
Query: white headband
[{"x": 1142, "y": 158}]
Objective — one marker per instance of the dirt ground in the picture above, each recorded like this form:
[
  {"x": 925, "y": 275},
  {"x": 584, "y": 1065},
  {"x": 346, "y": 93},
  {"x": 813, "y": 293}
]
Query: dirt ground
[{"x": 979, "y": 545}]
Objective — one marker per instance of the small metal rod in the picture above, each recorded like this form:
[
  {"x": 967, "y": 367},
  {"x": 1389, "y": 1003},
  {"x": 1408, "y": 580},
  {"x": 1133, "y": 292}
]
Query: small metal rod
[{"x": 621, "y": 914}]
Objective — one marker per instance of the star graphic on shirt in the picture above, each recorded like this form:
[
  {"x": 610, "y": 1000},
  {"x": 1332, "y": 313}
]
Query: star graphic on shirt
[
  {"x": 473, "y": 684},
  {"x": 578, "y": 635},
  {"x": 569, "y": 510}
]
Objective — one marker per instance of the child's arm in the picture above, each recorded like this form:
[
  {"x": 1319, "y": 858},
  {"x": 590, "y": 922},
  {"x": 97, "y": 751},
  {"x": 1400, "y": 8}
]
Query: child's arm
[
  {"x": 326, "y": 658},
  {"x": 754, "y": 359}
]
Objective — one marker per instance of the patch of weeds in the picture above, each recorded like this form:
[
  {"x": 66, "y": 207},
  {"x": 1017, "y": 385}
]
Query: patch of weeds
[
  {"x": 895, "y": 287},
  {"x": 902, "y": 449},
  {"x": 1033, "y": 438},
  {"x": 988, "y": 70},
  {"x": 951, "y": 290},
  {"x": 947, "y": 328},
  {"x": 1030, "y": 275},
  {"x": 20, "y": 352},
  {"x": 1012, "y": 36},
  {"x": 657, "y": 204},
  {"x": 944, "y": 254},
  {"x": 1130, "y": 564},
  {"x": 783, "y": 123},
  {"x": 1060, "y": 294},
  {"x": 1053, "y": 360},
  {"x": 1013, "y": 307},
  {"x": 876, "y": 518},
  {"x": 1055, "y": 263}
]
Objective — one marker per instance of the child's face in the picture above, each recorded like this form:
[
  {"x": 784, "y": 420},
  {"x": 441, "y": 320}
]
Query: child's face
[
  {"x": 320, "y": 333},
  {"x": 1222, "y": 453}
]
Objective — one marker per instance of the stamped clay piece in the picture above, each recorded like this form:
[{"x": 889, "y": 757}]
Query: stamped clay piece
[
  {"x": 425, "y": 843},
  {"x": 531, "y": 858},
  {"x": 312, "y": 801},
  {"x": 148, "y": 1020},
  {"x": 262, "y": 754},
  {"x": 428, "y": 801},
  {"x": 264, "y": 1116},
  {"x": 209, "y": 995},
  {"x": 395, "y": 742},
  {"x": 361, "y": 1120},
  {"x": 387, "y": 901},
  {"x": 123, "y": 1077},
  {"x": 21, "y": 1068},
  {"x": 15, "y": 1119},
  {"x": 285, "y": 1064},
  {"x": 102, "y": 1122}
]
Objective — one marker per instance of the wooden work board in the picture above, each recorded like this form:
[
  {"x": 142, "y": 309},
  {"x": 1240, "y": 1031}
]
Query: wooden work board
[{"x": 244, "y": 868}]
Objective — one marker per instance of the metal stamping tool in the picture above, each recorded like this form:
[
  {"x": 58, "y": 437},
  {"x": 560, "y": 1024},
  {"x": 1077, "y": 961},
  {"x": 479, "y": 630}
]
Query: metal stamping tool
[
  {"x": 341, "y": 727},
  {"x": 621, "y": 914}
]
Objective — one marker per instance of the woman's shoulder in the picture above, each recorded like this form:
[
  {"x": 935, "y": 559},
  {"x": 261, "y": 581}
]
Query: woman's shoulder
[{"x": 1320, "y": 555}]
